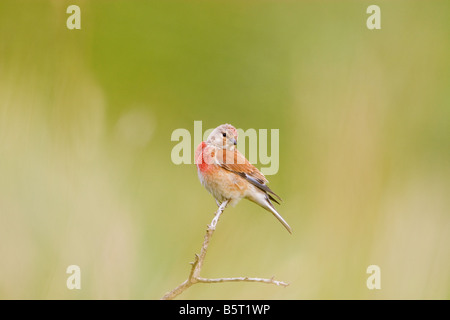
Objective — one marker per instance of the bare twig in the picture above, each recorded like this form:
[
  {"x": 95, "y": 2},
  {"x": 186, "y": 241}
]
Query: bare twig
[
  {"x": 243, "y": 279},
  {"x": 194, "y": 275}
]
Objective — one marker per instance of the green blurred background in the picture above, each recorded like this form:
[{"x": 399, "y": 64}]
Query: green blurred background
[{"x": 86, "y": 118}]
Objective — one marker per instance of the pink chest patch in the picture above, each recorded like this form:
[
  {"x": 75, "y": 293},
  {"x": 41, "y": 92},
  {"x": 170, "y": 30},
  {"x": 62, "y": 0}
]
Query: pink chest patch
[{"x": 200, "y": 155}]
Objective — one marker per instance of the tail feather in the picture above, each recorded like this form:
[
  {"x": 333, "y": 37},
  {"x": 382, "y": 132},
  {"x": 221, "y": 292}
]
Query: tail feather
[
  {"x": 262, "y": 198},
  {"x": 271, "y": 208},
  {"x": 272, "y": 198}
]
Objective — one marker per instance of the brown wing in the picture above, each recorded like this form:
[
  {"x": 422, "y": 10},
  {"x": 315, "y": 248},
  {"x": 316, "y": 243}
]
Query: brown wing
[{"x": 234, "y": 161}]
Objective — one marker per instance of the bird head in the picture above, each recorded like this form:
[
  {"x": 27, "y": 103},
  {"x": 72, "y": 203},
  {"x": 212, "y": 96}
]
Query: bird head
[{"x": 224, "y": 136}]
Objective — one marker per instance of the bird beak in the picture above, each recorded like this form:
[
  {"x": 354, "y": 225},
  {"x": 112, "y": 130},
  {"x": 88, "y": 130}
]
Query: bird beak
[{"x": 234, "y": 142}]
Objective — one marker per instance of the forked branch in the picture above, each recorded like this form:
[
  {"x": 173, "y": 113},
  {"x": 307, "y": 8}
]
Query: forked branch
[{"x": 194, "y": 275}]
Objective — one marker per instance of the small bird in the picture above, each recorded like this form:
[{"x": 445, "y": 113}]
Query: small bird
[{"x": 228, "y": 175}]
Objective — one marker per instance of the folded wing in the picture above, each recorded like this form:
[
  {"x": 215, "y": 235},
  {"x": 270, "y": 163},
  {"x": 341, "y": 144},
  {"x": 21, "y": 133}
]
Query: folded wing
[{"x": 234, "y": 161}]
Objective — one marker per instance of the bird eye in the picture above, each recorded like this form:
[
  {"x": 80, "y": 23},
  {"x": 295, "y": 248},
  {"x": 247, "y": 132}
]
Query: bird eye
[{"x": 224, "y": 134}]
